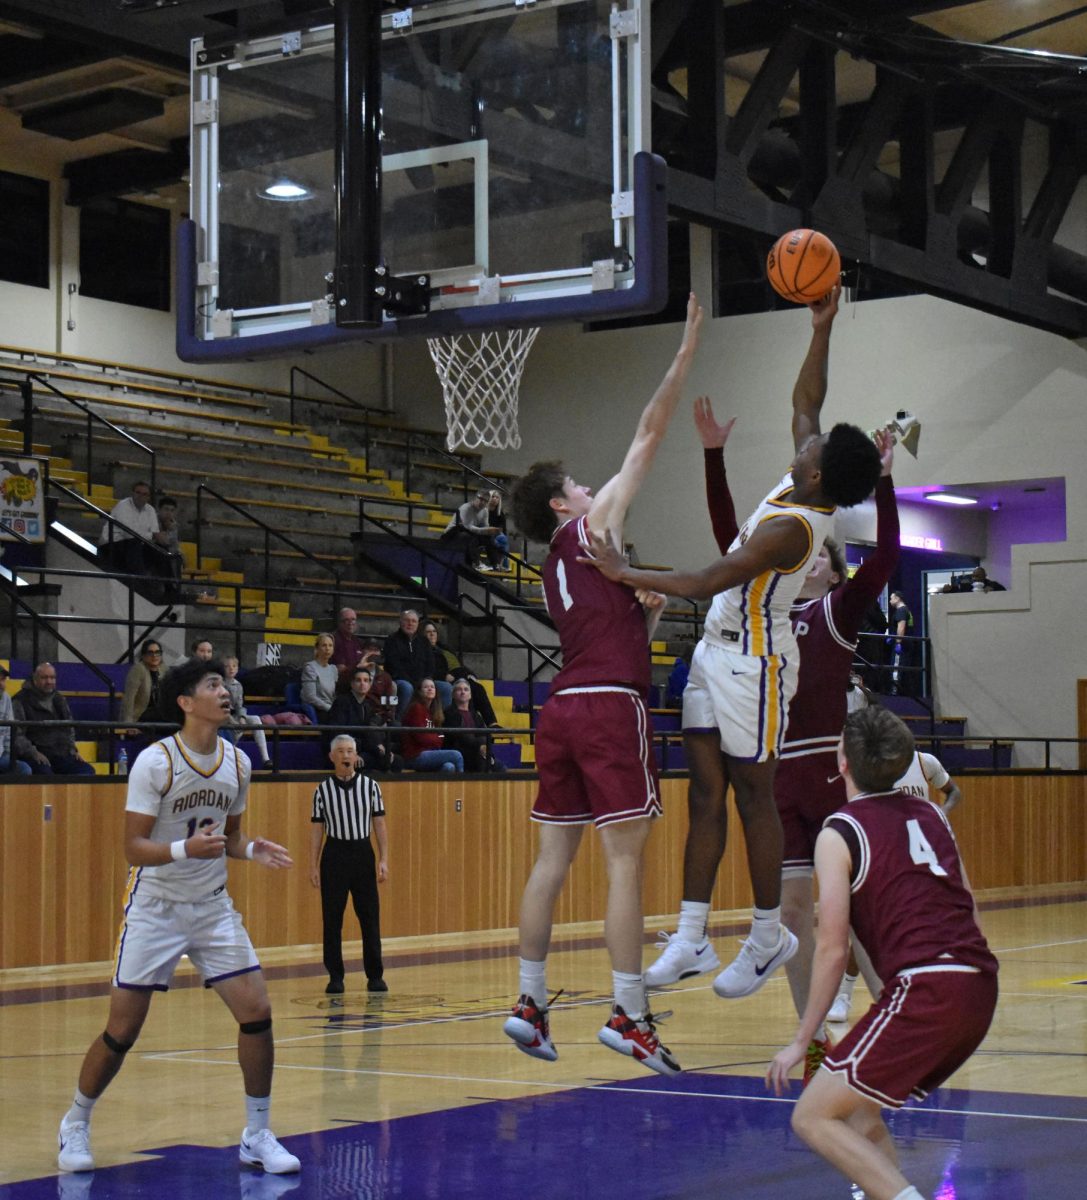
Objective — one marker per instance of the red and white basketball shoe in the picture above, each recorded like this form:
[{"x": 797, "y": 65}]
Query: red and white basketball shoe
[
  {"x": 639, "y": 1040},
  {"x": 530, "y": 1030}
]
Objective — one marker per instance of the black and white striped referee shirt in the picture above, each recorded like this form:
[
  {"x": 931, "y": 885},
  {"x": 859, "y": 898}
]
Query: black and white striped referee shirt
[{"x": 347, "y": 808}]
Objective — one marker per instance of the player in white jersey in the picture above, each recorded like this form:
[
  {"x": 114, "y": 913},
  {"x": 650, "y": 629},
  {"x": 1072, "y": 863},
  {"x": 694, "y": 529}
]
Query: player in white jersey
[
  {"x": 186, "y": 795},
  {"x": 744, "y": 672}
]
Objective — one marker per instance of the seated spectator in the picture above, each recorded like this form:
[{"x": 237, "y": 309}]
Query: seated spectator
[
  {"x": 409, "y": 658},
  {"x": 202, "y": 648},
  {"x": 497, "y": 518},
  {"x": 365, "y": 720},
  {"x": 123, "y": 541},
  {"x": 423, "y": 751},
  {"x": 319, "y": 677},
  {"x": 239, "y": 718},
  {"x": 347, "y": 649},
  {"x": 980, "y": 582},
  {"x": 472, "y": 743},
  {"x": 49, "y": 750},
  {"x": 168, "y": 565},
  {"x": 383, "y": 695},
  {"x": 140, "y": 701},
  {"x": 444, "y": 659},
  {"x": 8, "y": 764},
  {"x": 470, "y": 524},
  {"x": 481, "y": 701}
]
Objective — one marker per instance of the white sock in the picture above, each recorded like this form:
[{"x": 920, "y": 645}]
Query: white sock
[
  {"x": 692, "y": 921},
  {"x": 534, "y": 981},
  {"x": 847, "y": 985},
  {"x": 629, "y": 994},
  {"x": 82, "y": 1107},
  {"x": 257, "y": 1109},
  {"x": 910, "y": 1193},
  {"x": 766, "y": 927}
]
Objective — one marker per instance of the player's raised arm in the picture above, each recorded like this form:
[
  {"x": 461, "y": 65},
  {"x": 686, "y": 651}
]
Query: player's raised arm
[
  {"x": 810, "y": 389},
  {"x": 610, "y": 505},
  {"x": 778, "y": 543},
  {"x": 718, "y": 497}
]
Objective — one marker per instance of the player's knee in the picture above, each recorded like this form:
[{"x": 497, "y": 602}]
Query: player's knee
[
  {"x": 263, "y": 1025},
  {"x": 115, "y": 1045}
]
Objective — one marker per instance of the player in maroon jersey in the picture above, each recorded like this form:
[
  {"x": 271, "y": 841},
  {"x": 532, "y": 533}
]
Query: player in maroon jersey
[
  {"x": 888, "y": 865},
  {"x": 593, "y": 740}
]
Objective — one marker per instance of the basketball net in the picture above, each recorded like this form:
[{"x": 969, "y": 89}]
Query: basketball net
[{"x": 480, "y": 374}]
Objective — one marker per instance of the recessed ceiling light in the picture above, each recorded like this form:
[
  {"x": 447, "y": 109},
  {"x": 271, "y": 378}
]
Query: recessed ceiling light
[
  {"x": 950, "y": 498},
  {"x": 285, "y": 189}
]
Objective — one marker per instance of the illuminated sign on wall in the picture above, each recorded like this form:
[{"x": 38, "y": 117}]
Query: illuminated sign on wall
[{"x": 918, "y": 542}]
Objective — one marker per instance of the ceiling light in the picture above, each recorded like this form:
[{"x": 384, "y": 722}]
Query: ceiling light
[
  {"x": 285, "y": 189},
  {"x": 950, "y": 498}
]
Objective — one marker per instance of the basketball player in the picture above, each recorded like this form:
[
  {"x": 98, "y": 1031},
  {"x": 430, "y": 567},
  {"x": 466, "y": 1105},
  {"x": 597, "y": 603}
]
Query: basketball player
[
  {"x": 926, "y": 777},
  {"x": 888, "y": 865},
  {"x": 744, "y": 672},
  {"x": 593, "y": 751},
  {"x": 186, "y": 795}
]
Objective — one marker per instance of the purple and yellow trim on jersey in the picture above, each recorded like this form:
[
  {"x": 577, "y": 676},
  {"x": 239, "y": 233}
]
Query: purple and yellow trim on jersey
[
  {"x": 781, "y": 500},
  {"x": 757, "y": 595},
  {"x": 772, "y": 708},
  {"x": 221, "y": 744},
  {"x": 132, "y": 883}
]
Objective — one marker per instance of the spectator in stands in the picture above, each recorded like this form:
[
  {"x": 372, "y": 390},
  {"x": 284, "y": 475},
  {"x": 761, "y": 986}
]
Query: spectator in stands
[
  {"x": 346, "y": 647},
  {"x": 239, "y": 718},
  {"x": 202, "y": 649},
  {"x": 140, "y": 701},
  {"x": 409, "y": 658},
  {"x": 123, "y": 542},
  {"x": 49, "y": 750},
  {"x": 471, "y": 525},
  {"x": 168, "y": 565},
  {"x": 319, "y": 677},
  {"x": 472, "y": 743},
  {"x": 383, "y": 687},
  {"x": 444, "y": 659},
  {"x": 980, "y": 582},
  {"x": 899, "y": 630},
  {"x": 423, "y": 751},
  {"x": 481, "y": 701},
  {"x": 364, "y": 720},
  {"x": 497, "y": 518},
  {"x": 8, "y": 764}
]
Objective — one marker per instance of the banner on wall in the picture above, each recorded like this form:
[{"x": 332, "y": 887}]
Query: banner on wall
[{"x": 22, "y": 497}]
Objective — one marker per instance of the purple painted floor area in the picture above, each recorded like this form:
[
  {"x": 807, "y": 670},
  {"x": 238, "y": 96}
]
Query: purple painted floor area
[{"x": 695, "y": 1137}]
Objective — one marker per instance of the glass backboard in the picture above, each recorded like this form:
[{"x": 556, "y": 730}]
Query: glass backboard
[{"x": 514, "y": 174}]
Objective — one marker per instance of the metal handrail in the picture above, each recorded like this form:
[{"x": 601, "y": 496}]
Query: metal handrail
[
  {"x": 498, "y": 624},
  {"x": 269, "y": 531},
  {"x": 27, "y": 389},
  {"x": 367, "y": 409}
]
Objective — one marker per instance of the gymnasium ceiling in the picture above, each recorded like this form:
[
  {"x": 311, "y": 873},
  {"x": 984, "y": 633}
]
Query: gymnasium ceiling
[{"x": 941, "y": 144}]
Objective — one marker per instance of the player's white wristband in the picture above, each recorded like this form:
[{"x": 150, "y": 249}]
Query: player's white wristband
[
  {"x": 249, "y": 850},
  {"x": 178, "y": 851}
]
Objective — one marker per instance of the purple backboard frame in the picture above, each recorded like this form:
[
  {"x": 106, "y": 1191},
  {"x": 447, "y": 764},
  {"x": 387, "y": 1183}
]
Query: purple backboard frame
[{"x": 648, "y": 295}]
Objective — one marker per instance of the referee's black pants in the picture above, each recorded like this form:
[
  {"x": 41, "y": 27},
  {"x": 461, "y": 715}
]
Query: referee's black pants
[{"x": 348, "y": 867}]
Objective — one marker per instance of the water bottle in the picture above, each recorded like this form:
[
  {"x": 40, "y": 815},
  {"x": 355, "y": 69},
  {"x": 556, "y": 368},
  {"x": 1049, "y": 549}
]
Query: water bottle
[{"x": 122, "y": 761}]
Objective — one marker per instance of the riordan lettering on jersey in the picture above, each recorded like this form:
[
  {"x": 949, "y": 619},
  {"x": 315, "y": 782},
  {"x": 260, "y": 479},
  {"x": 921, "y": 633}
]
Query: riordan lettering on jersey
[{"x": 206, "y": 796}]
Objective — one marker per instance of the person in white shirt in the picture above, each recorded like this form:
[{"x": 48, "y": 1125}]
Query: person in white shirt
[
  {"x": 186, "y": 796},
  {"x": 134, "y": 522}
]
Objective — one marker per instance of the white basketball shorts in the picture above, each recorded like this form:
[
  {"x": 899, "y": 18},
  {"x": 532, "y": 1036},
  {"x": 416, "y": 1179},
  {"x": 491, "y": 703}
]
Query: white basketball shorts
[{"x": 744, "y": 698}]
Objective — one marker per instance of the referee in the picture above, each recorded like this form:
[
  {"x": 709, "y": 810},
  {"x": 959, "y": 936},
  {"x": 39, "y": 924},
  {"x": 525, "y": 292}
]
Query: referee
[{"x": 345, "y": 806}]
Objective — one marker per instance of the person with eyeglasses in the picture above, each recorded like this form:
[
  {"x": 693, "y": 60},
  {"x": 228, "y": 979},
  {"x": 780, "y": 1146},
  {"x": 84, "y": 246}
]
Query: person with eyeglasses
[{"x": 140, "y": 701}]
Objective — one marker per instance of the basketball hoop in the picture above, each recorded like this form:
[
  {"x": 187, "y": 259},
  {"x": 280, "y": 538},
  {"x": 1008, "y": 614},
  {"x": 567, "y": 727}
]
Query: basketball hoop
[{"x": 480, "y": 374}]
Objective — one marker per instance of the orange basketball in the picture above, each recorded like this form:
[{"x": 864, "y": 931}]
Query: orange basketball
[{"x": 803, "y": 266}]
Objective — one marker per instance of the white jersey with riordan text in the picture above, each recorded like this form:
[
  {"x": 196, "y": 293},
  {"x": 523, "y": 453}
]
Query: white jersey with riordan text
[
  {"x": 927, "y": 777},
  {"x": 185, "y": 792},
  {"x": 753, "y": 617}
]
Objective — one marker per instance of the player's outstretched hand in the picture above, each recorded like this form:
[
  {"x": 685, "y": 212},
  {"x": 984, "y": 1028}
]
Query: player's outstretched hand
[
  {"x": 650, "y": 600},
  {"x": 693, "y": 327},
  {"x": 269, "y": 854},
  {"x": 824, "y": 311},
  {"x": 207, "y": 842},
  {"x": 777, "y": 1077},
  {"x": 713, "y": 435},
  {"x": 600, "y": 553},
  {"x": 885, "y": 444}
]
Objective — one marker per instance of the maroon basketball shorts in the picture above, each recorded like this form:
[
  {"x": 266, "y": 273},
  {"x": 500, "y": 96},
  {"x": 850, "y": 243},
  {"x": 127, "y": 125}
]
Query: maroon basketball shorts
[
  {"x": 807, "y": 789},
  {"x": 594, "y": 757},
  {"x": 925, "y": 1025}
]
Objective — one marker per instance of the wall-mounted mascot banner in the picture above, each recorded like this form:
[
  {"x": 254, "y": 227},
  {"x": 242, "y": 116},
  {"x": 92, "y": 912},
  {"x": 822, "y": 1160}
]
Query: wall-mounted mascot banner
[{"x": 22, "y": 497}]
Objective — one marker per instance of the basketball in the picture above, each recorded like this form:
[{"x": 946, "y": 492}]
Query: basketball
[{"x": 803, "y": 266}]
